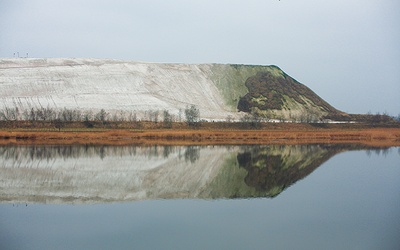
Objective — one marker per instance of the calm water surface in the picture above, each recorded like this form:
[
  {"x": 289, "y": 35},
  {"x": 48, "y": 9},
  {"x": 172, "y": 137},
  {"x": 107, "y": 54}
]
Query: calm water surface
[{"x": 237, "y": 197}]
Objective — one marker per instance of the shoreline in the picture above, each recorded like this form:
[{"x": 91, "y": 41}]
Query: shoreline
[{"x": 384, "y": 137}]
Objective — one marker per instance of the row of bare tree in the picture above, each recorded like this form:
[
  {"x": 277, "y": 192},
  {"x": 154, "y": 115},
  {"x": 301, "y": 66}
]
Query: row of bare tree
[{"x": 192, "y": 115}]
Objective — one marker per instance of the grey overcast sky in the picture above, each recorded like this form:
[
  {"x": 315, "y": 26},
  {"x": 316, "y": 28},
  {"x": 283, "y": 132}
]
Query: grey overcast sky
[{"x": 347, "y": 51}]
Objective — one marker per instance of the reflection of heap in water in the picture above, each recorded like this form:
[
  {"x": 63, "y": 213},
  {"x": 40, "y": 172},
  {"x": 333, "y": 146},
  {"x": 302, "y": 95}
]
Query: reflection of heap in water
[{"x": 93, "y": 174}]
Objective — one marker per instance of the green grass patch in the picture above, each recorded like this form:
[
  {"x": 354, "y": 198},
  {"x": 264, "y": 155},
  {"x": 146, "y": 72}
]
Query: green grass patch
[{"x": 230, "y": 80}]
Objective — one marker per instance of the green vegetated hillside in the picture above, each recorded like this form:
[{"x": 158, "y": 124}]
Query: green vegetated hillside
[
  {"x": 269, "y": 92},
  {"x": 230, "y": 80}
]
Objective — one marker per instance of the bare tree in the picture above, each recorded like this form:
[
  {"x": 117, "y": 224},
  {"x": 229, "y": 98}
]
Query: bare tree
[
  {"x": 9, "y": 114},
  {"x": 32, "y": 115},
  {"x": 88, "y": 115},
  {"x": 192, "y": 115},
  {"x": 167, "y": 123},
  {"x": 180, "y": 115},
  {"x": 121, "y": 116},
  {"x": 153, "y": 115},
  {"x": 133, "y": 117},
  {"x": 101, "y": 116}
]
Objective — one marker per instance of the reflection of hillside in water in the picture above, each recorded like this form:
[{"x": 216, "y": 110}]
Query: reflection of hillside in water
[
  {"x": 77, "y": 174},
  {"x": 271, "y": 169}
]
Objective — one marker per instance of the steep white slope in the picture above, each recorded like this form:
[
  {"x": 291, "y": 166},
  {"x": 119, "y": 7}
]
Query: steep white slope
[{"x": 109, "y": 84}]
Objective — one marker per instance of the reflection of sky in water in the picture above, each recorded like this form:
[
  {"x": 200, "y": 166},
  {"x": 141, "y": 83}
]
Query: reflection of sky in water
[{"x": 350, "y": 202}]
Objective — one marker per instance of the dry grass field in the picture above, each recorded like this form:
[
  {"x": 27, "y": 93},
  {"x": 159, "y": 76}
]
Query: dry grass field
[{"x": 209, "y": 134}]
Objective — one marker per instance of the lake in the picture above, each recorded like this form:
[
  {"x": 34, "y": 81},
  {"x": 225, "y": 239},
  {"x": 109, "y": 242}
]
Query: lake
[{"x": 200, "y": 197}]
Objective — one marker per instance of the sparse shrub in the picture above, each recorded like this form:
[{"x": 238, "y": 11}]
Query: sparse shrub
[
  {"x": 88, "y": 124},
  {"x": 229, "y": 119},
  {"x": 58, "y": 124},
  {"x": 252, "y": 120}
]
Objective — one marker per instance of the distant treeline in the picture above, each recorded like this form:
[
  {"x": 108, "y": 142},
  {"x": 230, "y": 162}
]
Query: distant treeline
[
  {"x": 59, "y": 118},
  {"x": 74, "y": 115}
]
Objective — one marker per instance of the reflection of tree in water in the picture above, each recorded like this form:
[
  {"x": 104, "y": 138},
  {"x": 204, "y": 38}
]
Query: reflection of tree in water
[
  {"x": 167, "y": 151},
  {"x": 48, "y": 152},
  {"x": 379, "y": 151},
  {"x": 192, "y": 153},
  {"x": 272, "y": 169}
]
